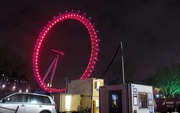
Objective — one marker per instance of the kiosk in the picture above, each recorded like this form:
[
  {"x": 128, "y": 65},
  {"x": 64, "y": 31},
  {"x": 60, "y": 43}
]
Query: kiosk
[{"x": 126, "y": 98}]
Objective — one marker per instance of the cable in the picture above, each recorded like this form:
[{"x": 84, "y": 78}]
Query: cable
[{"x": 111, "y": 61}]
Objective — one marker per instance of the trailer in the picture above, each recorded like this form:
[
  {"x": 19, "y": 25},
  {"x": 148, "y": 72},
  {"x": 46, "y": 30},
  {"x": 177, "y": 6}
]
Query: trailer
[
  {"x": 82, "y": 96},
  {"x": 89, "y": 91}
]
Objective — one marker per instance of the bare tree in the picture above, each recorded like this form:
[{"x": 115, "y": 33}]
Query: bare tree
[
  {"x": 11, "y": 62},
  {"x": 114, "y": 74}
]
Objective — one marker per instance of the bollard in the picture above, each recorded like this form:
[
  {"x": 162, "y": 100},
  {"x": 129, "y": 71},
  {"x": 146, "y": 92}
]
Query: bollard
[{"x": 94, "y": 106}]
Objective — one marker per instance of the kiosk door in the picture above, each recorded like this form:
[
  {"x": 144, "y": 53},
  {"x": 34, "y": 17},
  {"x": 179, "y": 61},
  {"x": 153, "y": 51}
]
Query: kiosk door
[{"x": 115, "y": 101}]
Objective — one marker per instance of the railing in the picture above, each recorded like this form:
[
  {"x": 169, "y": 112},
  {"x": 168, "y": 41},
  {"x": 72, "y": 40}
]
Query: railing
[{"x": 15, "y": 110}]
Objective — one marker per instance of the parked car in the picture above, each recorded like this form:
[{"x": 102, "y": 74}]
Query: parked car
[{"x": 27, "y": 103}]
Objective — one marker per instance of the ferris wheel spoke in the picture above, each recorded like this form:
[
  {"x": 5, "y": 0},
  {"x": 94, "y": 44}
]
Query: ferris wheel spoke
[{"x": 49, "y": 69}]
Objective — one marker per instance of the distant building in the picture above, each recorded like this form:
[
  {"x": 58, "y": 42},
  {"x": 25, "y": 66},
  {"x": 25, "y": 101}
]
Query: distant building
[{"x": 14, "y": 83}]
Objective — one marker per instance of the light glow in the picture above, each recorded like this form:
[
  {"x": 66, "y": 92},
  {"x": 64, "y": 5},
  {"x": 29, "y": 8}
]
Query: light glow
[
  {"x": 3, "y": 86},
  {"x": 13, "y": 88},
  {"x": 34, "y": 101},
  {"x": 27, "y": 90},
  {"x": 68, "y": 102},
  {"x": 97, "y": 103}
]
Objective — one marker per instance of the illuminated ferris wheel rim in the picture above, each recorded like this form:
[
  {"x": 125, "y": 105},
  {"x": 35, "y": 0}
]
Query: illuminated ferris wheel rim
[{"x": 94, "y": 47}]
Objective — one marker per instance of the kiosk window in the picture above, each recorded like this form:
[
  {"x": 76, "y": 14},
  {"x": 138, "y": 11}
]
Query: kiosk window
[
  {"x": 143, "y": 100},
  {"x": 115, "y": 101}
]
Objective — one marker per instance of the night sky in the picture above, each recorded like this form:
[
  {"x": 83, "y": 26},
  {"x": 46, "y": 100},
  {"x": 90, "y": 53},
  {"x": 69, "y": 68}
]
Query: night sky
[{"x": 149, "y": 30}]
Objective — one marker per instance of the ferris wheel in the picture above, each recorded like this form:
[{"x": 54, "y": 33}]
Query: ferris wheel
[{"x": 93, "y": 55}]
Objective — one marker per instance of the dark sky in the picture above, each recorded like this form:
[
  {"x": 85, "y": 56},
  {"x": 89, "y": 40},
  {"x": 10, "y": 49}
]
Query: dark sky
[{"x": 149, "y": 30}]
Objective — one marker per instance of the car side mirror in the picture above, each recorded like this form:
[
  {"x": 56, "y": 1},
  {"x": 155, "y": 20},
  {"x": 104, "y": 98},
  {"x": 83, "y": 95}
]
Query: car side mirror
[{"x": 4, "y": 100}]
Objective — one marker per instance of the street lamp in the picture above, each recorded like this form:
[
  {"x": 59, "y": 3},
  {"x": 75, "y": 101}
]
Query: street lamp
[{"x": 3, "y": 86}]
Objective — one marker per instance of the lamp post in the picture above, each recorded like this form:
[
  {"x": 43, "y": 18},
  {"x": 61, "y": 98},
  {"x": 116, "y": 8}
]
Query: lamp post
[
  {"x": 122, "y": 58},
  {"x": 66, "y": 84}
]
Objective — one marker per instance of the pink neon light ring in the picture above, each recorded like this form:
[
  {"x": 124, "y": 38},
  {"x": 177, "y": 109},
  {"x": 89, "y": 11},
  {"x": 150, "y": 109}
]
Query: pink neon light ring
[{"x": 94, "y": 48}]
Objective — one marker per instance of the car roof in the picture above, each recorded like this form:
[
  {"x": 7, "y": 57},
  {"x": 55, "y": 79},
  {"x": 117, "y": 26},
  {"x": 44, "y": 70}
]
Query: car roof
[
  {"x": 13, "y": 93},
  {"x": 28, "y": 93}
]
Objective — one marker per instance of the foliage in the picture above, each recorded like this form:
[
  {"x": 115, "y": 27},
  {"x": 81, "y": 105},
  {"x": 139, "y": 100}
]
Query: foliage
[
  {"x": 11, "y": 62},
  {"x": 167, "y": 79}
]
